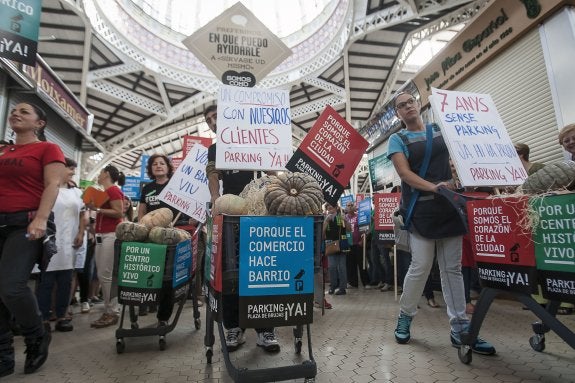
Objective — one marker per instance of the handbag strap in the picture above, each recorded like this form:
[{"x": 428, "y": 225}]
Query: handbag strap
[{"x": 422, "y": 171}]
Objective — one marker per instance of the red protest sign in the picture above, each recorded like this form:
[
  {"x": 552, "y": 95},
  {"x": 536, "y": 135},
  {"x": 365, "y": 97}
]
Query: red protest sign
[
  {"x": 190, "y": 141},
  {"x": 334, "y": 145},
  {"x": 385, "y": 204},
  {"x": 496, "y": 232}
]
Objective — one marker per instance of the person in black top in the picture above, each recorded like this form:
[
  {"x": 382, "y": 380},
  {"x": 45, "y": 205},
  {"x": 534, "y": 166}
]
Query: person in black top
[
  {"x": 233, "y": 182},
  {"x": 160, "y": 170}
]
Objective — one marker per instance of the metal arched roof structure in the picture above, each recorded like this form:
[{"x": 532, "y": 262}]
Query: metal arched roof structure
[{"x": 146, "y": 93}]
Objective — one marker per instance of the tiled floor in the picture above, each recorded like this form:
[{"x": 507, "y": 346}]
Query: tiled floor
[{"x": 351, "y": 343}]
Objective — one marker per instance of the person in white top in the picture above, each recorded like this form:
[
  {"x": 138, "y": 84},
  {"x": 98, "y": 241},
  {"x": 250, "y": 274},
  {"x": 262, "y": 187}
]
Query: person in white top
[{"x": 70, "y": 228}]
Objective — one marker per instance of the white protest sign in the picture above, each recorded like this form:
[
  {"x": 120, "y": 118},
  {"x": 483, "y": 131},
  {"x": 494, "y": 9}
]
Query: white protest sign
[
  {"x": 254, "y": 129},
  {"x": 187, "y": 189},
  {"x": 478, "y": 142}
]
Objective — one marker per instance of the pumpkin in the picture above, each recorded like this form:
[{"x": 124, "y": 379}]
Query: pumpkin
[
  {"x": 555, "y": 176},
  {"x": 132, "y": 232},
  {"x": 230, "y": 204},
  {"x": 168, "y": 235},
  {"x": 161, "y": 217},
  {"x": 293, "y": 194},
  {"x": 254, "y": 194}
]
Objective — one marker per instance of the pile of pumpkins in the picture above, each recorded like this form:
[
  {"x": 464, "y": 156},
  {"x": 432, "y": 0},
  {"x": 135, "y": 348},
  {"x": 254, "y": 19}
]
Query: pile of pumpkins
[
  {"x": 286, "y": 193},
  {"x": 153, "y": 227}
]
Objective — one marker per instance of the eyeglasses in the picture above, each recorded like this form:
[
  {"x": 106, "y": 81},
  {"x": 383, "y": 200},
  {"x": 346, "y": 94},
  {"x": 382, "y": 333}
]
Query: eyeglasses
[{"x": 403, "y": 105}]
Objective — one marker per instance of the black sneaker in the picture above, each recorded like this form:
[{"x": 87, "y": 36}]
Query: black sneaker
[
  {"x": 64, "y": 325},
  {"x": 340, "y": 292},
  {"x": 6, "y": 358},
  {"x": 36, "y": 352}
]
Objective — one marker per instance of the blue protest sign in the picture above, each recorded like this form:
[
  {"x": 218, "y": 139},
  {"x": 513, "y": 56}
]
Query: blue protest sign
[
  {"x": 132, "y": 188},
  {"x": 182, "y": 263},
  {"x": 364, "y": 212},
  {"x": 143, "y": 168},
  {"x": 345, "y": 199},
  {"x": 276, "y": 255}
]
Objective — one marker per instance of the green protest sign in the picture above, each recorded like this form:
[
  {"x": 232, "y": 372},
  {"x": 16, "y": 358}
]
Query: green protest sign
[
  {"x": 554, "y": 236},
  {"x": 141, "y": 265}
]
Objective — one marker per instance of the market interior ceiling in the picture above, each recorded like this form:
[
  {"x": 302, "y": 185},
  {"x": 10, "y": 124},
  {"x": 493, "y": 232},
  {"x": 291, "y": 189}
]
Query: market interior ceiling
[{"x": 141, "y": 105}]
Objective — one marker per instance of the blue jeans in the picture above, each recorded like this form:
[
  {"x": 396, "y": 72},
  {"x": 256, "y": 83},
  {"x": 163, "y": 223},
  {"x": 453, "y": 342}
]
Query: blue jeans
[
  {"x": 63, "y": 281},
  {"x": 337, "y": 271},
  {"x": 17, "y": 258}
]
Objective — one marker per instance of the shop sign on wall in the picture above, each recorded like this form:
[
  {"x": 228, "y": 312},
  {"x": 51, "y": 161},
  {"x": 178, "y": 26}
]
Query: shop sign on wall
[
  {"x": 237, "y": 47},
  {"x": 478, "y": 142},
  {"x": 492, "y": 30},
  {"x": 19, "y": 26},
  {"x": 58, "y": 94},
  {"x": 254, "y": 129}
]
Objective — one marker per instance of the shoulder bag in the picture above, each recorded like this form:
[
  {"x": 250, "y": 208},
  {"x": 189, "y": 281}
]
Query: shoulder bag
[{"x": 401, "y": 225}]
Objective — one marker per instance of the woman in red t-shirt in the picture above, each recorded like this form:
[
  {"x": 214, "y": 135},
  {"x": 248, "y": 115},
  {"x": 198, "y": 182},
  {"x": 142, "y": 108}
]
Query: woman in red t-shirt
[
  {"x": 108, "y": 216},
  {"x": 30, "y": 173}
]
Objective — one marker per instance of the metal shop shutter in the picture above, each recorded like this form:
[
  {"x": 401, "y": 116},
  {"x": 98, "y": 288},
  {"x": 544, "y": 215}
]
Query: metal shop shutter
[{"x": 517, "y": 81}]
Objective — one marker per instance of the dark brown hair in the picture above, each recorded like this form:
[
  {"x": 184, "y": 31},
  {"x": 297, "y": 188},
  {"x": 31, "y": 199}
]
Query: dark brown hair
[{"x": 151, "y": 161}]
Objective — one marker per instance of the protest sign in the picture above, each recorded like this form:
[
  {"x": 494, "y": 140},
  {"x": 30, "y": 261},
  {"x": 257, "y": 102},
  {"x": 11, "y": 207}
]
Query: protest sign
[
  {"x": 478, "y": 142},
  {"x": 187, "y": 189},
  {"x": 330, "y": 153},
  {"x": 364, "y": 214},
  {"x": 254, "y": 129},
  {"x": 189, "y": 141},
  {"x": 237, "y": 47},
  {"x": 19, "y": 26},
  {"x": 381, "y": 172}
]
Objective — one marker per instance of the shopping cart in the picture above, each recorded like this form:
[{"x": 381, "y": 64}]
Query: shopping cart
[
  {"x": 224, "y": 273},
  {"x": 516, "y": 262},
  {"x": 144, "y": 271}
]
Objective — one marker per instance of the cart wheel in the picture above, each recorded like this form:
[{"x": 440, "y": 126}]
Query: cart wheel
[
  {"x": 162, "y": 343},
  {"x": 134, "y": 325},
  {"x": 464, "y": 353},
  {"x": 209, "y": 354},
  {"x": 120, "y": 345},
  {"x": 537, "y": 342},
  {"x": 197, "y": 323}
]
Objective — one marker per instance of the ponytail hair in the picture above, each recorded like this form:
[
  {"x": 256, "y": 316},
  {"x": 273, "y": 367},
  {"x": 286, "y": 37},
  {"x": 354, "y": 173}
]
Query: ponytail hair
[
  {"x": 116, "y": 175},
  {"x": 40, "y": 133}
]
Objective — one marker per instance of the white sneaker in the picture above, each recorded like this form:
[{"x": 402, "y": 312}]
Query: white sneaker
[
  {"x": 268, "y": 341},
  {"x": 85, "y": 308},
  {"x": 234, "y": 338}
]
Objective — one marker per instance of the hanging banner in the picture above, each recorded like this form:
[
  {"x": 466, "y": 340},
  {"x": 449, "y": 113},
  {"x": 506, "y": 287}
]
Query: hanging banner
[
  {"x": 478, "y": 143},
  {"x": 237, "y": 47},
  {"x": 330, "y": 153},
  {"x": 187, "y": 189},
  {"x": 254, "y": 129},
  {"x": 276, "y": 271},
  {"x": 19, "y": 26}
]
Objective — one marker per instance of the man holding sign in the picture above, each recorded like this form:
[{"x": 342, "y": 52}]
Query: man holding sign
[
  {"x": 437, "y": 226},
  {"x": 233, "y": 182}
]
